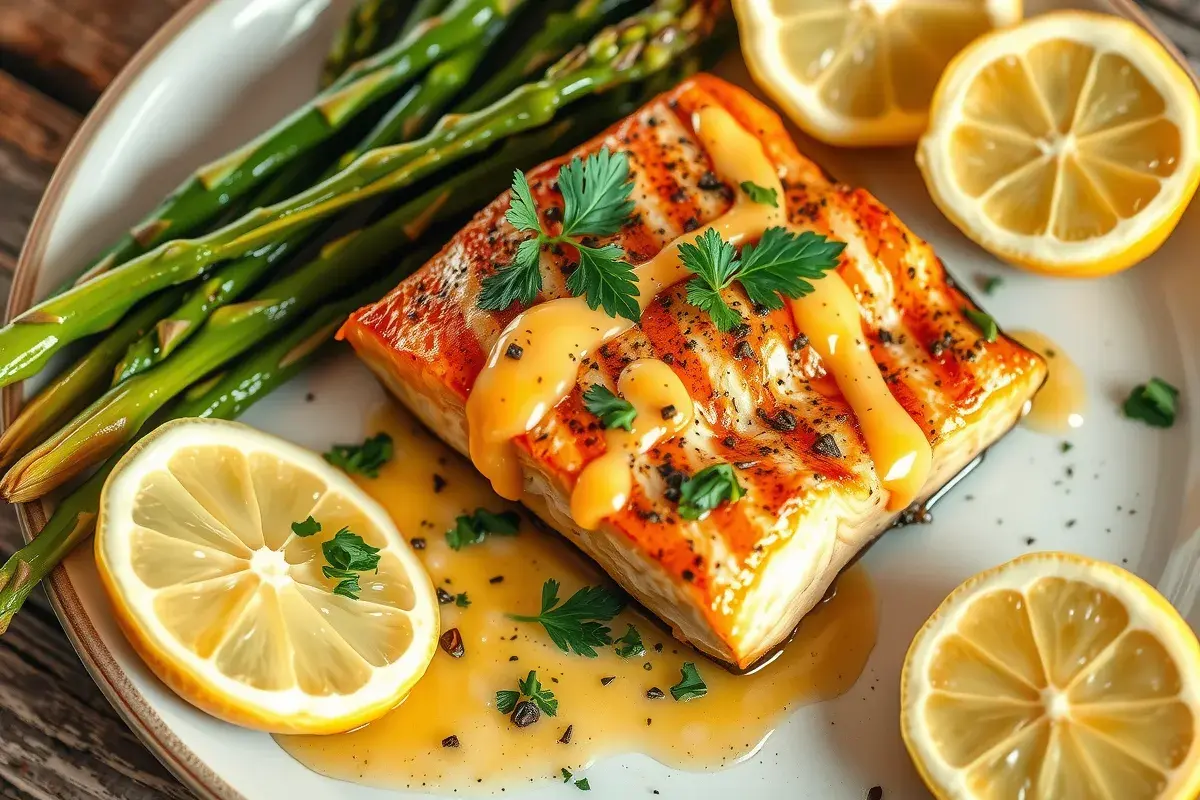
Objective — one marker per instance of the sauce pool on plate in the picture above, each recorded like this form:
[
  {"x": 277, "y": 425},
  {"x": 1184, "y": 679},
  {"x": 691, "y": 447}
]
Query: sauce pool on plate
[
  {"x": 1061, "y": 404},
  {"x": 611, "y": 704}
]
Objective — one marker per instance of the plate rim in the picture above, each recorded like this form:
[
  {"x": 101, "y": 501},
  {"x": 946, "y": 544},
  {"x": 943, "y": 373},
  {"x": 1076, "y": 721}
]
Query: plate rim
[{"x": 128, "y": 701}]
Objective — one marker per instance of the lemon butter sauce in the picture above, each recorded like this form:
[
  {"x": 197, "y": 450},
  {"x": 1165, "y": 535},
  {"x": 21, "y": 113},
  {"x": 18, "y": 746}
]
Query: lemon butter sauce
[{"x": 610, "y": 704}]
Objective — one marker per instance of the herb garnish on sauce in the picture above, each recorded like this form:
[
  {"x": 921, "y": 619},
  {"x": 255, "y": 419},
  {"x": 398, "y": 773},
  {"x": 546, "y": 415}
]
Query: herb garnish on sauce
[
  {"x": 576, "y": 625},
  {"x": 1154, "y": 403},
  {"x": 707, "y": 489},
  {"x": 474, "y": 528},
  {"x": 365, "y": 458}
]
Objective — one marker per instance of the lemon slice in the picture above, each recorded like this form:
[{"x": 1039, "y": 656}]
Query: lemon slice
[
  {"x": 860, "y": 72},
  {"x": 1054, "y": 677},
  {"x": 231, "y": 609},
  {"x": 1068, "y": 144}
]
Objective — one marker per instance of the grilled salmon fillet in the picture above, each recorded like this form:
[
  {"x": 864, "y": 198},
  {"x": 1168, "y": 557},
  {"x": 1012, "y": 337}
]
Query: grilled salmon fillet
[{"x": 735, "y": 583}]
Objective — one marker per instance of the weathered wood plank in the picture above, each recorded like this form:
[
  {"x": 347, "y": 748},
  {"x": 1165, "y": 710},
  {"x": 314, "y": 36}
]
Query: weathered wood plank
[
  {"x": 60, "y": 738},
  {"x": 34, "y": 131},
  {"x": 72, "y": 49}
]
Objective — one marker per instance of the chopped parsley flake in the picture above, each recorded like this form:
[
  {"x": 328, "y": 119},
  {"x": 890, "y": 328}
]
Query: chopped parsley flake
[
  {"x": 691, "y": 686},
  {"x": 613, "y": 411},
  {"x": 1154, "y": 403},
  {"x": 707, "y": 489},
  {"x": 306, "y": 528},
  {"x": 474, "y": 528},
  {"x": 366, "y": 458}
]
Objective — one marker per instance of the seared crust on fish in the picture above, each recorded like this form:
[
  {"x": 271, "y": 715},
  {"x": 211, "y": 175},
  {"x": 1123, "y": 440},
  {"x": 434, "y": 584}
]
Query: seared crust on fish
[{"x": 735, "y": 583}]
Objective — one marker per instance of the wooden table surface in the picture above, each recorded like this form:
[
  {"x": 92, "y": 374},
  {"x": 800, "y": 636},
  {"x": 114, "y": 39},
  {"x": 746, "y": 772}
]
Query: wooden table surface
[{"x": 59, "y": 738}]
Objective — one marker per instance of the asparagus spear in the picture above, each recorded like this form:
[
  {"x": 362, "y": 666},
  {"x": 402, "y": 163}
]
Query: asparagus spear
[
  {"x": 249, "y": 381},
  {"x": 408, "y": 117},
  {"x": 87, "y": 378},
  {"x": 562, "y": 31},
  {"x": 363, "y": 33},
  {"x": 423, "y": 10},
  {"x": 631, "y": 51},
  {"x": 110, "y": 421},
  {"x": 214, "y": 185},
  {"x": 266, "y": 369}
]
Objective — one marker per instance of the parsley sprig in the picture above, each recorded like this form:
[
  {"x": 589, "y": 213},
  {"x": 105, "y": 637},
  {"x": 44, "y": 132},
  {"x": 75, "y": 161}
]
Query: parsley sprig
[
  {"x": 531, "y": 687},
  {"x": 576, "y": 625},
  {"x": 348, "y": 555},
  {"x": 781, "y": 265},
  {"x": 707, "y": 489},
  {"x": 306, "y": 528},
  {"x": 474, "y": 528},
  {"x": 365, "y": 458},
  {"x": 595, "y": 203},
  {"x": 613, "y": 411}
]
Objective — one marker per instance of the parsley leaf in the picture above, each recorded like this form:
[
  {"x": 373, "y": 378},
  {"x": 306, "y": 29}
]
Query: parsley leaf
[
  {"x": 1154, "y": 403},
  {"x": 992, "y": 283},
  {"x": 348, "y": 555},
  {"x": 474, "y": 528},
  {"x": 461, "y": 600},
  {"x": 761, "y": 194},
  {"x": 604, "y": 280},
  {"x": 691, "y": 686},
  {"x": 982, "y": 320},
  {"x": 613, "y": 411},
  {"x": 630, "y": 645},
  {"x": 783, "y": 263},
  {"x": 575, "y": 625},
  {"x": 566, "y": 773},
  {"x": 506, "y": 700},
  {"x": 522, "y": 211},
  {"x": 714, "y": 263},
  {"x": 707, "y": 489},
  {"x": 306, "y": 528},
  {"x": 583, "y": 785},
  {"x": 595, "y": 203},
  {"x": 595, "y": 194},
  {"x": 365, "y": 458},
  {"x": 544, "y": 698},
  {"x": 520, "y": 280}
]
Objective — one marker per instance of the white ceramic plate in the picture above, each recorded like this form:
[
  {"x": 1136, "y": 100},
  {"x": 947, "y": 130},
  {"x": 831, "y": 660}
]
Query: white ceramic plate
[{"x": 225, "y": 69}]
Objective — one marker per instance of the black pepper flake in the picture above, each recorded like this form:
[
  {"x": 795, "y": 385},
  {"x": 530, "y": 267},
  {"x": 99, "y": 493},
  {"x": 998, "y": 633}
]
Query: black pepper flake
[
  {"x": 691, "y": 224},
  {"x": 688, "y": 575},
  {"x": 444, "y": 597},
  {"x": 450, "y": 741},
  {"x": 875, "y": 793},
  {"x": 525, "y": 714},
  {"x": 782, "y": 420},
  {"x": 514, "y": 351},
  {"x": 668, "y": 358},
  {"x": 655, "y": 693},
  {"x": 417, "y": 543},
  {"x": 668, "y": 412},
  {"x": 826, "y": 445},
  {"x": 647, "y": 666},
  {"x": 1029, "y": 540},
  {"x": 439, "y": 483},
  {"x": 800, "y": 342},
  {"x": 743, "y": 350},
  {"x": 607, "y": 679},
  {"x": 885, "y": 336},
  {"x": 308, "y": 398},
  {"x": 452, "y": 642},
  {"x": 496, "y": 579},
  {"x": 553, "y": 214},
  {"x": 658, "y": 648},
  {"x": 740, "y": 331},
  {"x": 566, "y": 737},
  {"x": 937, "y": 348},
  {"x": 513, "y": 658},
  {"x": 729, "y": 441},
  {"x": 709, "y": 182}
]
